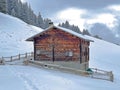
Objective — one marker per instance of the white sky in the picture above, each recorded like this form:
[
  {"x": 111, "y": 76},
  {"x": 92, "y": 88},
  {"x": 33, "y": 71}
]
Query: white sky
[
  {"x": 74, "y": 16},
  {"x": 23, "y": 0},
  {"x": 78, "y": 12},
  {"x": 115, "y": 7}
]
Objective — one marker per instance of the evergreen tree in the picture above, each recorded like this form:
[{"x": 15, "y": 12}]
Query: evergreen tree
[
  {"x": 13, "y": 13},
  {"x": 3, "y": 6},
  {"x": 40, "y": 21},
  {"x": 71, "y": 27},
  {"x": 10, "y": 6},
  {"x": 67, "y": 25},
  {"x": 19, "y": 9},
  {"x": 16, "y": 4},
  {"x": 86, "y": 32},
  {"x": 46, "y": 23},
  {"x": 24, "y": 12}
]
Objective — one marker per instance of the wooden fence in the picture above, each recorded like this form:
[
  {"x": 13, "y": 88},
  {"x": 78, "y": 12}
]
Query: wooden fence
[
  {"x": 96, "y": 73},
  {"x": 18, "y": 57},
  {"x": 102, "y": 74}
]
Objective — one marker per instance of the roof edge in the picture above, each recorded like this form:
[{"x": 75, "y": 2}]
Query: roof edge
[{"x": 63, "y": 29}]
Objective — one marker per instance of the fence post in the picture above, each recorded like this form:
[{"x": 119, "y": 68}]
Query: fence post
[
  {"x": 19, "y": 56},
  {"x": 11, "y": 58},
  {"x": 32, "y": 54},
  {"x": 25, "y": 55},
  {"x": 2, "y": 58},
  {"x": 111, "y": 76}
]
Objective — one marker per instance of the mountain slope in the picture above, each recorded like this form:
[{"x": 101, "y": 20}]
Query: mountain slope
[
  {"x": 105, "y": 55},
  {"x": 13, "y": 33}
]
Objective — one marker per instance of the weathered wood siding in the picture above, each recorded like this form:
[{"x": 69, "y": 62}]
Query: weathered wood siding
[{"x": 58, "y": 45}]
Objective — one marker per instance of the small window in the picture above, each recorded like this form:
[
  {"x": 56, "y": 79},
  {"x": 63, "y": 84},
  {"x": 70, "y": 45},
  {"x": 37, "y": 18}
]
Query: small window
[
  {"x": 37, "y": 52},
  {"x": 69, "y": 53}
]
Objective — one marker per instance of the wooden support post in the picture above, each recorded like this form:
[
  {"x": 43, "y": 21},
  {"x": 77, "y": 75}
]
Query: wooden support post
[
  {"x": 53, "y": 56},
  {"x": 34, "y": 50},
  {"x": 32, "y": 54},
  {"x": 80, "y": 47}
]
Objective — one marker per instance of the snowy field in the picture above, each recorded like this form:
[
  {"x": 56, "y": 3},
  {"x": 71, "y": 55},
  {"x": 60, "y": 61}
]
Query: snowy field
[
  {"x": 103, "y": 55},
  {"x": 31, "y": 78}
]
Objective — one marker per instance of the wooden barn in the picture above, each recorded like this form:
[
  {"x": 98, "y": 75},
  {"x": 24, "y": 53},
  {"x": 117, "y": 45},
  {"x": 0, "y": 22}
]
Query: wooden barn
[{"x": 59, "y": 45}]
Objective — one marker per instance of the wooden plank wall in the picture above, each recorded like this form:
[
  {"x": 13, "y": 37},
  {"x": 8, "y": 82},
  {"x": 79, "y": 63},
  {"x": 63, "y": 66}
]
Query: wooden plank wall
[{"x": 63, "y": 43}]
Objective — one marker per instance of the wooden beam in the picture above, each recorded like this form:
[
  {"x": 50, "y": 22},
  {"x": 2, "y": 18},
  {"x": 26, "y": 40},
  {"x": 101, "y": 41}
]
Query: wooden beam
[
  {"x": 80, "y": 46},
  {"x": 34, "y": 50},
  {"x": 53, "y": 53}
]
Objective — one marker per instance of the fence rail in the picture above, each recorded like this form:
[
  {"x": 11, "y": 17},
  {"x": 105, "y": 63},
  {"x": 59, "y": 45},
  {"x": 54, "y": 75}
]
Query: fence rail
[
  {"x": 18, "y": 57},
  {"x": 97, "y": 73},
  {"x": 102, "y": 74}
]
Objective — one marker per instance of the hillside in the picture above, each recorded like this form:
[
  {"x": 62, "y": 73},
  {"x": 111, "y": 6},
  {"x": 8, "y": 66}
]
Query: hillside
[
  {"x": 103, "y": 55},
  {"x": 106, "y": 56},
  {"x": 13, "y": 33}
]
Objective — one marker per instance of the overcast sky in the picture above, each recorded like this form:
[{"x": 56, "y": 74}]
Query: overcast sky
[{"x": 83, "y": 13}]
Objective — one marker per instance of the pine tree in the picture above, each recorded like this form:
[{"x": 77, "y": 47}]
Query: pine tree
[
  {"x": 40, "y": 21},
  {"x": 71, "y": 27},
  {"x": 13, "y": 13},
  {"x": 86, "y": 32},
  {"x": 3, "y": 6},
  {"x": 46, "y": 23},
  {"x": 24, "y": 12},
  {"x": 10, "y": 6}
]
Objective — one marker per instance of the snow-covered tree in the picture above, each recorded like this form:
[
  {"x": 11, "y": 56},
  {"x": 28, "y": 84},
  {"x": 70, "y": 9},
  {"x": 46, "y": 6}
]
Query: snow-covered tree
[
  {"x": 40, "y": 21},
  {"x": 13, "y": 13},
  {"x": 3, "y": 6},
  {"x": 10, "y": 5},
  {"x": 71, "y": 27},
  {"x": 30, "y": 15},
  {"x": 86, "y": 32},
  {"x": 46, "y": 23},
  {"x": 24, "y": 12}
]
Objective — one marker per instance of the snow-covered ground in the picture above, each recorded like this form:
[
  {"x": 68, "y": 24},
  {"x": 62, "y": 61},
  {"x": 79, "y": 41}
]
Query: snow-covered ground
[
  {"x": 103, "y": 55},
  {"x": 13, "y": 33},
  {"x": 106, "y": 56},
  {"x": 31, "y": 78}
]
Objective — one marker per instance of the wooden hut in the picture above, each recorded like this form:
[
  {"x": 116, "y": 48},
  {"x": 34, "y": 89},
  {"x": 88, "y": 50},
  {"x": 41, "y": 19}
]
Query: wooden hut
[{"x": 57, "y": 44}]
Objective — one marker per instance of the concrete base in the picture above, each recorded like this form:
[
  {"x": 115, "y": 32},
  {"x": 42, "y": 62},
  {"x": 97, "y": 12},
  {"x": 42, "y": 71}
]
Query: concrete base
[{"x": 69, "y": 64}]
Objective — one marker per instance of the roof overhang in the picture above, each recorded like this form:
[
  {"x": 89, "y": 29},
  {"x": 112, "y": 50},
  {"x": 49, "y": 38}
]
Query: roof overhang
[{"x": 63, "y": 29}]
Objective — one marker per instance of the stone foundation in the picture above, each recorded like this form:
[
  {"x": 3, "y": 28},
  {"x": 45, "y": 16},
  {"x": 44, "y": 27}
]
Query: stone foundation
[{"x": 69, "y": 64}]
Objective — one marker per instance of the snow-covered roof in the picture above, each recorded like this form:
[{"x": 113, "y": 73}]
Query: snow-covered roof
[{"x": 63, "y": 29}]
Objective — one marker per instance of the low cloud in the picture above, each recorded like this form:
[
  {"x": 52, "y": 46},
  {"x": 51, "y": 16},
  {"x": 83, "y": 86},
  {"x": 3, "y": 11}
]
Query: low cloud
[
  {"x": 114, "y": 7},
  {"x": 105, "y": 32},
  {"x": 105, "y": 18},
  {"x": 73, "y": 15}
]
